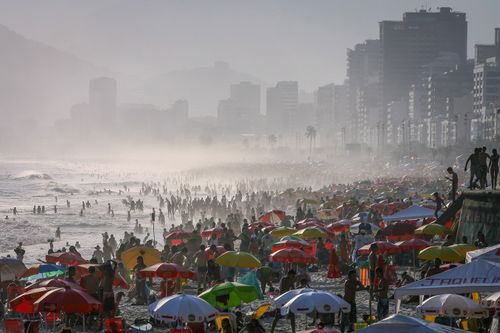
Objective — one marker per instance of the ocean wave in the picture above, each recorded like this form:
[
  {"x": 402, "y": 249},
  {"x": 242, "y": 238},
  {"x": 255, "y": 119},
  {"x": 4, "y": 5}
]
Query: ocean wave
[
  {"x": 31, "y": 175},
  {"x": 83, "y": 225},
  {"x": 15, "y": 231}
]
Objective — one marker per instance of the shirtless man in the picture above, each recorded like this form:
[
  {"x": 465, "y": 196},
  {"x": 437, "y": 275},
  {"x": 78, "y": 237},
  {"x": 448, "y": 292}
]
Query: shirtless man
[
  {"x": 91, "y": 282},
  {"x": 351, "y": 286},
  {"x": 179, "y": 257},
  {"x": 200, "y": 258}
]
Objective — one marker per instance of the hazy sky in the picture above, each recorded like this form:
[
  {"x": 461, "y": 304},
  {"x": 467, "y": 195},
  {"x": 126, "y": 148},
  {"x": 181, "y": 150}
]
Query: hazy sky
[{"x": 275, "y": 40}]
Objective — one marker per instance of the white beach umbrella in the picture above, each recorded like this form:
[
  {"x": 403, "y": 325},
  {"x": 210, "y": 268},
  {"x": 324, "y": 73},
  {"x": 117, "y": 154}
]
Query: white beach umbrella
[
  {"x": 404, "y": 324},
  {"x": 492, "y": 301},
  {"x": 321, "y": 301},
  {"x": 281, "y": 300},
  {"x": 452, "y": 305},
  {"x": 186, "y": 308}
]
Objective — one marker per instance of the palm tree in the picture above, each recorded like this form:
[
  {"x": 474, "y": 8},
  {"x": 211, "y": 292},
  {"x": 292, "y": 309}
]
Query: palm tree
[
  {"x": 311, "y": 135},
  {"x": 271, "y": 140}
]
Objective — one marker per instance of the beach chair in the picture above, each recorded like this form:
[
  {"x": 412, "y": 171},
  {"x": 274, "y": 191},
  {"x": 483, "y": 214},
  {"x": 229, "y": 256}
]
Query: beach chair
[
  {"x": 13, "y": 325},
  {"x": 114, "y": 325},
  {"x": 232, "y": 320}
]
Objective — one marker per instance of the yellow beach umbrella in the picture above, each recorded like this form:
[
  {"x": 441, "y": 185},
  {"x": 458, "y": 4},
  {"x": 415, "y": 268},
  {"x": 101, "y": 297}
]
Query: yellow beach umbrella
[
  {"x": 442, "y": 252},
  {"x": 282, "y": 232},
  {"x": 432, "y": 229},
  {"x": 150, "y": 255},
  {"x": 463, "y": 248},
  {"x": 310, "y": 233},
  {"x": 238, "y": 260}
]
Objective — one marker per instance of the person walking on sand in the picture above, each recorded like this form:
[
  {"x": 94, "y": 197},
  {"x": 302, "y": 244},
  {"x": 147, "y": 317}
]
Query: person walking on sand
[{"x": 382, "y": 295}]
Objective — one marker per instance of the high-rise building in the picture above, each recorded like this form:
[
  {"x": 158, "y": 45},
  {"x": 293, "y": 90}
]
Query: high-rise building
[
  {"x": 325, "y": 114},
  {"x": 241, "y": 111},
  {"x": 409, "y": 45},
  {"x": 486, "y": 99},
  {"x": 363, "y": 77},
  {"x": 282, "y": 103},
  {"x": 102, "y": 99},
  {"x": 484, "y": 51}
]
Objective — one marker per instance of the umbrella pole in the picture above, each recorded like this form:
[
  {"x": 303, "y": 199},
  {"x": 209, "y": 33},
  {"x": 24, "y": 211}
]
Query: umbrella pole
[{"x": 84, "y": 323}]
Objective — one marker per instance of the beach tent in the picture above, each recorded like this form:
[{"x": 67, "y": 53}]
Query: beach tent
[
  {"x": 402, "y": 324},
  {"x": 411, "y": 213},
  {"x": 478, "y": 276},
  {"x": 491, "y": 253}
]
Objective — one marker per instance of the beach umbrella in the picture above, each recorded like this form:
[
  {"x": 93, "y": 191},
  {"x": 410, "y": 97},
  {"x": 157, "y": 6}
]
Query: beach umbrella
[
  {"x": 492, "y": 301},
  {"x": 289, "y": 244},
  {"x": 178, "y": 235},
  {"x": 11, "y": 268},
  {"x": 258, "y": 224},
  {"x": 310, "y": 222},
  {"x": 23, "y": 303},
  {"x": 310, "y": 233},
  {"x": 284, "y": 298},
  {"x": 273, "y": 217},
  {"x": 167, "y": 270},
  {"x": 292, "y": 256},
  {"x": 229, "y": 294},
  {"x": 65, "y": 258},
  {"x": 463, "y": 248},
  {"x": 56, "y": 283},
  {"x": 150, "y": 255},
  {"x": 339, "y": 227},
  {"x": 185, "y": 308},
  {"x": 412, "y": 244},
  {"x": 404, "y": 324},
  {"x": 217, "y": 231},
  {"x": 452, "y": 305},
  {"x": 295, "y": 238},
  {"x": 282, "y": 232},
  {"x": 442, "y": 252},
  {"x": 118, "y": 281},
  {"x": 67, "y": 300},
  {"x": 354, "y": 229},
  {"x": 446, "y": 267},
  {"x": 383, "y": 248},
  {"x": 432, "y": 229},
  {"x": 399, "y": 229},
  {"x": 321, "y": 301},
  {"x": 238, "y": 260},
  {"x": 214, "y": 254},
  {"x": 43, "y": 271}
]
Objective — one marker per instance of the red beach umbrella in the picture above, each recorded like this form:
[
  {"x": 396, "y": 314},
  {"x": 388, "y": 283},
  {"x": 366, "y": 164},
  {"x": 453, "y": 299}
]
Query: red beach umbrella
[
  {"x": 67, "y": 300},
  {"x": 273, "y": 217},
  {"x": 167, "y": 270},
  {"x": 292, "y": 256},
  {"x": 24, "y": 302},
  {"x": 65, "y": 258},
  {"x": 57, "y": 283},
  {"x": 412, "y": 244},
  {"x": 383, "y": 248},
  {"x": 217, "y": 231},
  {"x": 289, "y": 244}
]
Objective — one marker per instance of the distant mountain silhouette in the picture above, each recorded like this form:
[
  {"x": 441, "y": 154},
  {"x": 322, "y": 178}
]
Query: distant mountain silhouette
[
  {"x": 38, "y": 82},
  {"x": 203, "y": 87}
]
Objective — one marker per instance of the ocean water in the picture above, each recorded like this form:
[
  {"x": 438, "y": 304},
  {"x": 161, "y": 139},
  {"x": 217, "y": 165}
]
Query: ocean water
[{"x": 25, "y": 183}]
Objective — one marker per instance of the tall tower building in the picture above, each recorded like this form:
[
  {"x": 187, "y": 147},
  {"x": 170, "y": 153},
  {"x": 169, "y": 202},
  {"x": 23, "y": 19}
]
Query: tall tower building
[
  {"x": 409, "y": 45},
  {"x": 282, "y": 104},
  {"x": 102, "y": 99}
]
